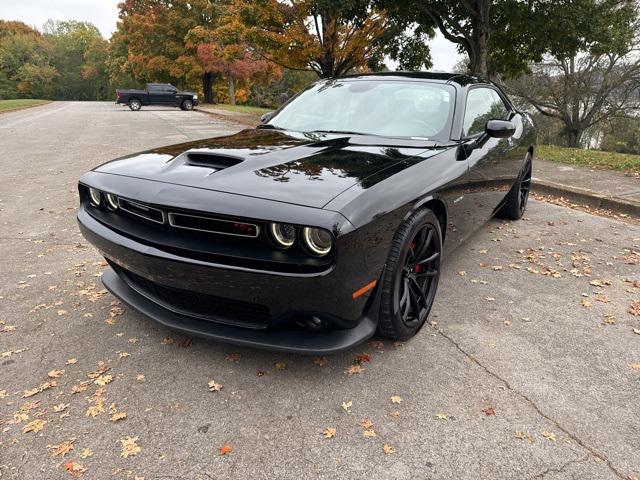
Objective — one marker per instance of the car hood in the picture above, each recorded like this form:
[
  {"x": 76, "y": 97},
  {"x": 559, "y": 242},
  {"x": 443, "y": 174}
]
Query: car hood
[{"x": 301, "y": 168}]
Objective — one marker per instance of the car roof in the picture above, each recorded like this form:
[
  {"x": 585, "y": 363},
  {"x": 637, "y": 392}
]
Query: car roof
[{"x": 444, "y": 77}]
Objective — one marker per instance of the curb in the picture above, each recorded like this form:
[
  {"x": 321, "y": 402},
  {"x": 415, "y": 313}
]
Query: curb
[{"x": 585, "y": 196}]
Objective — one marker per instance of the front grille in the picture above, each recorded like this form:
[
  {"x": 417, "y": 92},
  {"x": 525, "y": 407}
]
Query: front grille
[
  {"x": 199, "y": 305},
  {"x": 213, "y": 225},
  {"x": 144, "y": 211}
]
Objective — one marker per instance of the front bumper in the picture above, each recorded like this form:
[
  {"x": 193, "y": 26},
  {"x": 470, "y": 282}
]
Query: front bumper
[
  {"x": 293, "y": 341},
  {"x": 288, "y": 299}
]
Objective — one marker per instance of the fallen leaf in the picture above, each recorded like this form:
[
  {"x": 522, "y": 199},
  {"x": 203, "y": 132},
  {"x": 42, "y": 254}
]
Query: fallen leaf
[
  {"x": 388, "y": 449},
  {"x": 635, "y": 330},
  {"x": 74, "y": 468},
  {"x": 369, "y": 433},
  {"x": 55, "y": 373},
  {"x": 167, "y": 341},
  {"x": 140, "y": 377},
  {"x": 634, "y": 309},
  {"x": 118, "y": 416},
  {"x": 363, "y": 357},
  {"x": 602, "y": 298},
  {"x": 635, "y": 366},
  {"x": 329, "y": 432},
  {"x": 86, "y": 453},
  {"x": 34, "y": 426},
  {"x": 396, "y": 399},
  {"x": 129, "y": 447},
  {"x": 103, "y": 380},
  {"x": 225, "y": 449},
  {"x": 3, "y": 393},
  {"x": 366, "y": 424},
  {"x": 321, "y": 361},
  {"x": 71, "y": 361},
  {"x": 232, "y": 357},
  {"x": 586, "y": 303},
  {"x": 214, "y": 387},
  {"x": 488, "y": 411},
  {"x": 281, "y": 366},
  {"x": 123, "y": 355},
  {"x": 62, "y": 448},
  {"x": 185, "y": 343},
  {"x": 442, "y": 416},
  {"x": 394, "y": 414},
  {"x": 549, "y": 436},
  {"x": 520, "y": 435},
  {"x": 347, "y": 405},
  {"x": 354, "y": 369},
  {"x": 61, "y": 407},
  {"x": 377, "y": 344}
]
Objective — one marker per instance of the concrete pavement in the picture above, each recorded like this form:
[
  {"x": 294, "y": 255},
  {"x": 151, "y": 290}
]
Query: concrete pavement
[{"x": 531, "y": 368}]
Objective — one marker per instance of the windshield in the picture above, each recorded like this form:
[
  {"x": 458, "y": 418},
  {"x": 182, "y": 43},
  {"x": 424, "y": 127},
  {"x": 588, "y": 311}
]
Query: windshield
[{"x": 375, "y": 107}]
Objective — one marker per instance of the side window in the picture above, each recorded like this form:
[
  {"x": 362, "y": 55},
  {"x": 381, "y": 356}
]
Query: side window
[
  {"x": 483, "y": 104},
  {"x": 155, "y": 88}
]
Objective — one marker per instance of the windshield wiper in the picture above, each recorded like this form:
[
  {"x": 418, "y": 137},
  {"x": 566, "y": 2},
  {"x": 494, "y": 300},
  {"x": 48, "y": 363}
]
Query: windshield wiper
[
  {"x": 345, "y": 132},
  {"x": 268, "y": 126}
]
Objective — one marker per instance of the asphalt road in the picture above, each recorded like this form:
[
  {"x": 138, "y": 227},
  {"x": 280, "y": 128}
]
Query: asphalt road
[{"x": 531, "y": 368}]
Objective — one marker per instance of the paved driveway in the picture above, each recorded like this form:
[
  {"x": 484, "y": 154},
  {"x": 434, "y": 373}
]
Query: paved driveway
[{"x": 531, "y": 368}]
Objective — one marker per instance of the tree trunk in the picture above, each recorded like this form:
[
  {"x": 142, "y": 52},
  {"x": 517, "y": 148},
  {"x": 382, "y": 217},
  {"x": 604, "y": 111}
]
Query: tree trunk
[
  {"x": 480, "y": 36},
  {"x": 574, "y": 136},
  {"x": 207, "y": 87},
  {"x": 232, "y": 88}
]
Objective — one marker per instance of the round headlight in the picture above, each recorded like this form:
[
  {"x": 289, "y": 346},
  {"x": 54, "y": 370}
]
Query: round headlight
[
  {"x": 111, "y": 200},
  {"x": 284, "y": 234},
  {"x": 317, "y": 240},
  {"x": 95, "y": 197}
]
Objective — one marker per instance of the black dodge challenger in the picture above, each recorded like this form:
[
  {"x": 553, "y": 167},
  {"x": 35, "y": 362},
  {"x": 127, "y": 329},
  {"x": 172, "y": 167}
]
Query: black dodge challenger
[{"x": 322, "y": 226}]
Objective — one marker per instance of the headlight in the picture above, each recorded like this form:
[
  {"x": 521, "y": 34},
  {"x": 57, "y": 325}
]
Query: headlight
[
  {"x": 195, "y": 97},
  {"x": 284, "y": 234},
  {"x": 111, "y": 200},
  {"x": 317, "y": 240},
  {"x": 95, "y": 196}
]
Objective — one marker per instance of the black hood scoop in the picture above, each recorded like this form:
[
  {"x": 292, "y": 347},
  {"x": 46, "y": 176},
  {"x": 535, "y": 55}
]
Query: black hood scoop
[{"x": 215, "y": 161}]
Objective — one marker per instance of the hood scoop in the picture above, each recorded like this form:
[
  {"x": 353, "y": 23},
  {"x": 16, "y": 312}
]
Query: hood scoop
[{"x": 215, "y": 161}]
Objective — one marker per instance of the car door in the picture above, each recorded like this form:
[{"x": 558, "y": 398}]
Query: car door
[
  {"x": 169, "y": 94},
  {"x": 156, "y": 93},
  {"x": 492, "y": 168}
]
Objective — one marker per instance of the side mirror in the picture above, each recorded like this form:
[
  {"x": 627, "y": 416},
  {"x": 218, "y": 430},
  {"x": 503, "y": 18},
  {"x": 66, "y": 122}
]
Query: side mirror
[
  {"x": 499, "y": 128},
  {"x": 267, "y": 116}
]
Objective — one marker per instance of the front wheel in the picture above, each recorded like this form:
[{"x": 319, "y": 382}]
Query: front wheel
[
  {"x": 135, "y": 104},
  {"x": 411, "y": 276},
  {"x": 187, "y": 105}
]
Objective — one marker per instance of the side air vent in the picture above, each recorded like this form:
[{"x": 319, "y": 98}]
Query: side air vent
[
  {"x": 212, "y": 160},
  {"x": 145, "y": 211}
]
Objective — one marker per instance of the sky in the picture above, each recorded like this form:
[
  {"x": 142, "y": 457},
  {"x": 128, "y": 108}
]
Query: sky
[{"x": 104, "y": 15}]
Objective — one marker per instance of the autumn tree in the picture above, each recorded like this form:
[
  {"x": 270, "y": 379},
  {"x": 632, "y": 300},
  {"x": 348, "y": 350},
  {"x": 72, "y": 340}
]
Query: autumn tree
[
  {"x": 329, "y": 37},
  {"x": 150, "y": 44},
  {"x": 501, "y": 37},
  {"x": 25, "y": 70}
]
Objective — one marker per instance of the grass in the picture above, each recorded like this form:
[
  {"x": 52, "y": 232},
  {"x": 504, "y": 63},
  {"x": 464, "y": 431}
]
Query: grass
[
  {"x": 590, "y": 158},
  {"x": 243, "y": 109},
  {"x": 20, "y": 103}
]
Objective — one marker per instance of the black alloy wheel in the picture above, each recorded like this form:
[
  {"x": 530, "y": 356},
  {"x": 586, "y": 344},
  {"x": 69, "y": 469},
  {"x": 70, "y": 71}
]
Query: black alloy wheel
[
  {"x": 411, "y": 276},
  {"x": 525, "y": 186},
  {"x": 515, "y": 203},
  {"x": 187, "y": 105},
  {"x": 419, "y": 277}
]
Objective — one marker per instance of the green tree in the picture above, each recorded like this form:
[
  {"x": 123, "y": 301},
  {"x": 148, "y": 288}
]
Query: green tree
[
  {"x": 501, "y": 37},
  {"x": 74, "y": 55},
  {"x": 24, "y": 55}
]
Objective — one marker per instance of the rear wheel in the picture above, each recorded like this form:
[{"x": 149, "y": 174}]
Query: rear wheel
[
  {"x": 411, "y": 276},
  {"x": 135, "y": 104},
  {"x": 187, "y": 105},
  {"x": 517, "y": 198}
]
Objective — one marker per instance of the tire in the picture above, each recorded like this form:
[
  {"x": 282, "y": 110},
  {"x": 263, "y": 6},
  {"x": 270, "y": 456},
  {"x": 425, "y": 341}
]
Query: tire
[
  {"x": 395, "y": 321},
  {"x": 517, "y": 198},
  {"x": 135, "y": 104},
  {"x": 187, "y": 105}
]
